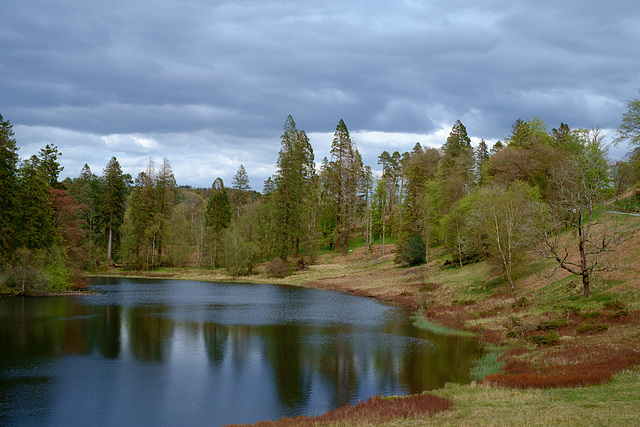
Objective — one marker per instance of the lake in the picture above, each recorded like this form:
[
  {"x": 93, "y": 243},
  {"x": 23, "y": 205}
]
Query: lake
[{"x": 168, "y": 352}]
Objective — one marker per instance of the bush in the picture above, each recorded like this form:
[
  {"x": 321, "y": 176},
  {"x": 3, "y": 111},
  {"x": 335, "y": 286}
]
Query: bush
[
  {"x": 549, "y": 339},
  {"x": 590, "y": 315},
  {"x": 414, "y": 251},
  {"x": 620, "y": 313},
  {"x": 277, "y": 268},
  {"x": 587, "y": 327},
  {"x": 552, "y": 324}
]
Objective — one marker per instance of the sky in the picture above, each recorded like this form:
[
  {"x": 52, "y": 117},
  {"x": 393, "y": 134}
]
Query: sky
[{"x": 209, "y": 84}]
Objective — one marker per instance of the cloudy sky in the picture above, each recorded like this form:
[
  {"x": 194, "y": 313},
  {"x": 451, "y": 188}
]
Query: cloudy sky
[{"x": 208, "y": 84}]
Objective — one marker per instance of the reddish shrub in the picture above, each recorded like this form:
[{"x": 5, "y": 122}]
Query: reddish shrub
[
  {"x": 377, "y": 409},
  {"x": 519, "y": 374},
  {"x": 550, "y": 381}
]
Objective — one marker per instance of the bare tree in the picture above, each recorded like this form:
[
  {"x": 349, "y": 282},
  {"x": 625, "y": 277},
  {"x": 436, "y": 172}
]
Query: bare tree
[{"x": 579, "y": 184}]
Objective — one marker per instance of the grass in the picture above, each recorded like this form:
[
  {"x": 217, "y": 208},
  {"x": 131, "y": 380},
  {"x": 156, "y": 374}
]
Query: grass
[
  {"x": 488, "y": 364},
  {"x": 614, "y": 403},
  {"x": 419, "y": 321}
]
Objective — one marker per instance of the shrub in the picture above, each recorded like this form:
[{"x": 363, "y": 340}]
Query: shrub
[
  {"x": 414, "y": 251},
  {"x": 586, "y": 327},
  {"x": 572, "y": 379},
  {"x": 552, "y": 324},
  {"x": 622, "y": 312},
  {"x": 590, "y": 315},
  {"x": 277, "y": 268},
  {"x": 373, "y": 411},
  {"x": 549, "y": 339},
  {"x": 614, "y": 305}
]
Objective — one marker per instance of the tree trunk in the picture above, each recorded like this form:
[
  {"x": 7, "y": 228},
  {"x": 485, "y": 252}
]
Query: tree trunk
[{"x": 109, "y": 245}]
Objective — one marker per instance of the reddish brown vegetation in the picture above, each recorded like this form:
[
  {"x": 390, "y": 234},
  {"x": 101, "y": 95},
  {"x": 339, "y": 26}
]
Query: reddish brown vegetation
[
  {"x": 584, "y": 367},
  {"x": 376, "y": 410}
]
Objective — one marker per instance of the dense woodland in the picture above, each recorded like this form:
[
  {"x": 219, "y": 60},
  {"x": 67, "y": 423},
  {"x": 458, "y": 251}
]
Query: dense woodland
[{"x": 500, "y": 203}]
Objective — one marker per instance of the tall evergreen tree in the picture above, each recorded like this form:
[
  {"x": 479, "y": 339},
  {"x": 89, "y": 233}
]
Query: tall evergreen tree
[
  {"x": 8, "y": 187},
  {"x": 49, "y": 165},
  {"x": 112, "y": 204},
  {"x": 217, "y": 215},
  {"x": 35, "y": 225},
  {"x": 347, "y": 166},
  {"x": 456, "y": 171},
  {"x": 240, "y": 183},
  {"x": 293, "y": 180}
]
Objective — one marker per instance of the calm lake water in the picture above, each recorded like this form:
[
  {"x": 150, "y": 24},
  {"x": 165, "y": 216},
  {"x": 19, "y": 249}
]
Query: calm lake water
[{"x": 166, "y": 352}]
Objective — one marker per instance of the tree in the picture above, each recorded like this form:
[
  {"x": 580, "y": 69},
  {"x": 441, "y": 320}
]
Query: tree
[
  {"x": 347, "y": 166},
  {"x": 49, "y": 165},
  {"x": 580, "y": 182},
  {"x": 506, "y": 216},
  {"x": 456, "y": 170},
  {"x": 217, "y": 215},
  {"x": 86, "y": 190},
  {"x": 8, "y": 187},
  {"x": 112, "y": 204},
  {"x": 35, "y": 225},
  {"x": 240, "y": 183},
  {"x": 166, "y": 190},
  {"x": 293, "y": 180},
  {"x": 629, "y": 129},
  {"x": 414, "y": 251}
]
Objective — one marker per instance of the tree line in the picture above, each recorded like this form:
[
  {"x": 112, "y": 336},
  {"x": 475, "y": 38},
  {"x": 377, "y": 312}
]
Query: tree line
[{"x": 495, "y": 203}]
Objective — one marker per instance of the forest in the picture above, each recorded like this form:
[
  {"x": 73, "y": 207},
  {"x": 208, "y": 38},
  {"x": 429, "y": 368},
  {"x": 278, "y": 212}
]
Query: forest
[{"x": 500, "y": 203}]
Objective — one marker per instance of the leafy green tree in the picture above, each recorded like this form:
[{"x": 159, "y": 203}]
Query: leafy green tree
[
  {"x": 629, "y": 129},
  {"x": 86, "y": 190},
  {"x": 506, "y": 217},
  {"x": 239, "y": 253},
  {"x": 141, "y": 226}
]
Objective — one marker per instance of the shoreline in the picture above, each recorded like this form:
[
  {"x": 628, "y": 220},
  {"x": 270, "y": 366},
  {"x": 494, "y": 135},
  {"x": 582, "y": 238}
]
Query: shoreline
[{"x": 472, "y": 300}]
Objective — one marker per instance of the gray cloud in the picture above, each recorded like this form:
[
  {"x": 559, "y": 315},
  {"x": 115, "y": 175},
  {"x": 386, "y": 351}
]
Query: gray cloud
[{"x": 214, "y": 81}]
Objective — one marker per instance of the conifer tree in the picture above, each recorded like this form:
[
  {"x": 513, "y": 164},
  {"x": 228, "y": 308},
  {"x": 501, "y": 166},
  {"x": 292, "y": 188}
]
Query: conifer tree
[
  {"x": 8, "y": 187},
  {"x": 112, "y": 204},
  {"x": 217, "y": 215},
  {"x": 347, "y": 167},
  {"x": 293, "y": 181}
]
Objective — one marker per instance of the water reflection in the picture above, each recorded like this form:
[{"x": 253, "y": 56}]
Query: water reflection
[{"x": 268, "y": 352}]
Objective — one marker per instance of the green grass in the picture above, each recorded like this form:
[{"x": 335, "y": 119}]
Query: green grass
[
  {"x": 488, "y": 364},
  {"x": 419, "y": 321},
  {"x": 615, "y": 403}
]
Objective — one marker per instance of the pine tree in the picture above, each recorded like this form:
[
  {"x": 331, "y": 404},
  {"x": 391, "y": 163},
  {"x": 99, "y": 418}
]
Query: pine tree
[
  {"x": 112, "y": 204},
  {"x": 240, "y": 184},
  {"x": 347, "y": 166},
  {"x": 293, "y": 181},
  {"x": 8, "y": 188},
  {"x": 35, "y": 225},
  {"x": 217, "y": 216}
]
